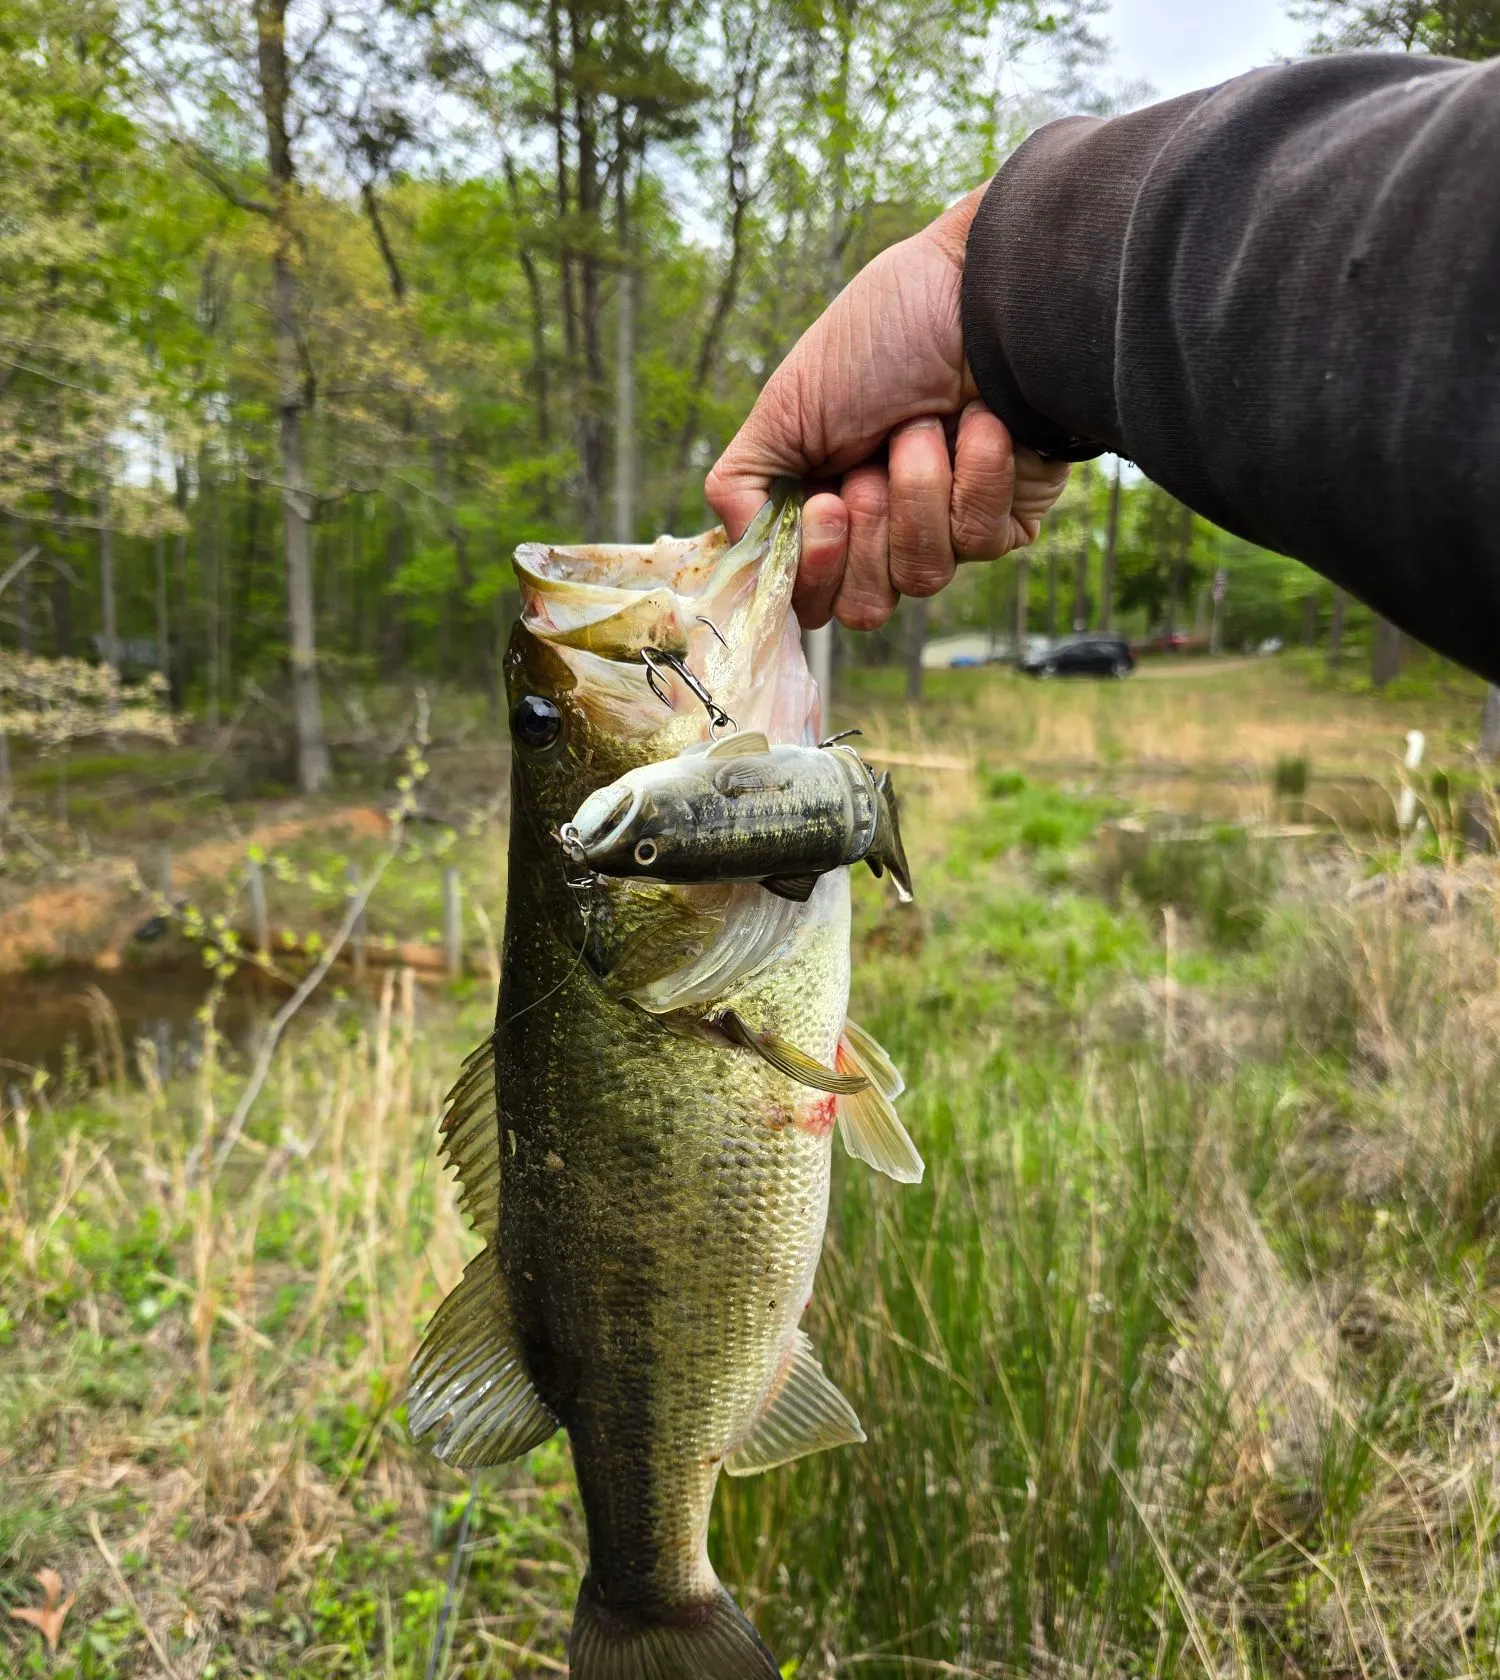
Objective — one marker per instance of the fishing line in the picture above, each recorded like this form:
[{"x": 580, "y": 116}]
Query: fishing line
[{"x": 586, "y": 910}]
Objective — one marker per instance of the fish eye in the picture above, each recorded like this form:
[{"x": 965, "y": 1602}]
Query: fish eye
[
  {"x": 536, "y": 722},
  {"x": 645, "y": 853}
]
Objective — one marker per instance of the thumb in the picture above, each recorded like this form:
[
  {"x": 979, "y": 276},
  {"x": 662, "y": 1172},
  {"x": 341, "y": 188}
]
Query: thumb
[{"x": 770, "y": 445}]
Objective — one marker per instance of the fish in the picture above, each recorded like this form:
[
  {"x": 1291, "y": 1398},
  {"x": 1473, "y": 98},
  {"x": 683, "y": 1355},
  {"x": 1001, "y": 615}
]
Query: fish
[
  {"x": 644, "y": 1141},
  {"x": 738, "y": 809}
]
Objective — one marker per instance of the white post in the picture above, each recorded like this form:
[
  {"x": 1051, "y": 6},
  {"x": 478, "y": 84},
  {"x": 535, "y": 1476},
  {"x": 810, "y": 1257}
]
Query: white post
[
  {"x": 453, "y": 926},
  {"x": 818, "y": 646},
  {"x": 260, "y": 922},
  {"x": 1406, "y": 806}
]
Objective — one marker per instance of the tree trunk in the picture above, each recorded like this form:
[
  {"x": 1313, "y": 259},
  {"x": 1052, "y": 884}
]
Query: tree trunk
[
  {"x": 293, "y": 398},
  {"x": 1385, "y": 653},
  {"x": 62, "y": 594},
  {"x": 1111, "y": 550},
  {"x": 624, "y": 356},
  {"x": 109, "y": 626},
  {"x": 162, "y": 653},
  {"x": 1489, "y": 726},
  {"x": 25, "y": 635},
  {"x": 1085, "y": 542},
  {"x": 182, "y": 664},
  {"x": 746, "y": 90},
  {"x": 1179, "y": 568},
  {"x": 540, "y": 383},
  {"x": 392, "y": 626},
  {"x": 1309, "y": 620},
  {"x": 916, "y": 639},
  {"x": 1023, "y": 604},
  {"x": 592, "y": 443},
  {"x": 1052, "y": 592},
  {"x": 1336, "y": 629},
  {"x": 207, "y": 523}
]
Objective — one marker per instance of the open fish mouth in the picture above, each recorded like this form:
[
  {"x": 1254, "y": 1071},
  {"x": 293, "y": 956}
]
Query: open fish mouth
[{"x": 695, "y": 626}]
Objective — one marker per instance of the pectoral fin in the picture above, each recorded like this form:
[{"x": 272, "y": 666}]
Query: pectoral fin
[
  {"x": 787, "y": 1058},
  {"x": 868, "y": 1122},
  {"x": 469, "y": 1381},
  {"x": 804, "y": 1414}
]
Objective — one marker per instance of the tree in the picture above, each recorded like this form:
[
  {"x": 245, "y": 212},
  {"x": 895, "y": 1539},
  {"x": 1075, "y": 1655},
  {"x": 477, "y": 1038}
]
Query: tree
[
  {"x": 1111, "y": 553},
  {"x": 1454, "y": 28}
]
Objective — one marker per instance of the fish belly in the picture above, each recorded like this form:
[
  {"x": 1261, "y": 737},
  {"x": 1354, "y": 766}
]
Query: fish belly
[{"x": 662, "y": 1224}]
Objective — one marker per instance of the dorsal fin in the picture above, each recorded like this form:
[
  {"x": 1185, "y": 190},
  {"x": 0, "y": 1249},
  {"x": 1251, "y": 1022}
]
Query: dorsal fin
[
  {"x": 868, "y": 1122},
  {"x": 804, "y": 1414},
  {"x": 470, "y": 1131},
  {"x": 751, "y": 744}
]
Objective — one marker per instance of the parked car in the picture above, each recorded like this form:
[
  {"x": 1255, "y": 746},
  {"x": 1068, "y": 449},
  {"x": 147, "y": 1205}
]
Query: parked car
[{"x": 1082, "y": 656}]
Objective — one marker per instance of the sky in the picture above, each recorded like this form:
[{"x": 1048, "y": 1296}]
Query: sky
[{"x": 1179, "y": 45}]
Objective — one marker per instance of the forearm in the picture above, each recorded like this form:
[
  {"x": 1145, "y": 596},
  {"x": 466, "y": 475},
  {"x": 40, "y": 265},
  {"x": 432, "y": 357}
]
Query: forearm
[{"x": 1282, "y": 298}]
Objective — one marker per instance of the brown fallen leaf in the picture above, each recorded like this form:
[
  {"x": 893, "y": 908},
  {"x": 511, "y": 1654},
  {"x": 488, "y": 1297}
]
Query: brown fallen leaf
[{"x": 48, "y": 1621}]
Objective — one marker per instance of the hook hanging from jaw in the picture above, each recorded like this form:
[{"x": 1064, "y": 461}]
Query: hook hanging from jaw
[{"x": 655, "y": 661}]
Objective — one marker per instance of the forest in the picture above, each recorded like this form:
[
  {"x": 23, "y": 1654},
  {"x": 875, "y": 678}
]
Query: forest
[{"x": 310, "y": 312}]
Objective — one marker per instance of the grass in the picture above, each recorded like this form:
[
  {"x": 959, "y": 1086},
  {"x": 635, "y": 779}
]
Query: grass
[{"x": 1180, "y": 1361}]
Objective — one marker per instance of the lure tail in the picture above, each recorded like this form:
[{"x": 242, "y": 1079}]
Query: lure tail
[{"x": 711, "y": 1641}]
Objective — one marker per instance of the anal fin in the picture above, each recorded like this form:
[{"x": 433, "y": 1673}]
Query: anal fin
[
  {"x": 469, "y": 1382},
  {"x": 805, "y": 1414},
  {"x": 868, "y": 1122},
  {"x": 786, "y": 1058}
]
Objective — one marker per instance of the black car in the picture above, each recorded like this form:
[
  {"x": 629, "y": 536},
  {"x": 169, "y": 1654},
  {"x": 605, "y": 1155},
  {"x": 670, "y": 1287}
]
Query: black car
[{"x": 1082, "y": 656}]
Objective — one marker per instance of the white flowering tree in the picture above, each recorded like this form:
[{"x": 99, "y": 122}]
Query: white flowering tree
[{"x": 57, "y": 702}]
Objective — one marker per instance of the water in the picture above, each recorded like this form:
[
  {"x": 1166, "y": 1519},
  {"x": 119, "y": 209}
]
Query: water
[{"x": 56, "y": 1019}]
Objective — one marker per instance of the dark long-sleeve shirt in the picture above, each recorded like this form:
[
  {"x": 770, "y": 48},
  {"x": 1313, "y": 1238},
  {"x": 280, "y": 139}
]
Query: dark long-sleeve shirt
[{"x": 1281, "y": 297}]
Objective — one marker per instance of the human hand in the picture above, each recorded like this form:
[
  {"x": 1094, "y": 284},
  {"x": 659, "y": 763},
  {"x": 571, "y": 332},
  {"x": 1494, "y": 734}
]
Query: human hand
[{"x": 878, "y": 393}]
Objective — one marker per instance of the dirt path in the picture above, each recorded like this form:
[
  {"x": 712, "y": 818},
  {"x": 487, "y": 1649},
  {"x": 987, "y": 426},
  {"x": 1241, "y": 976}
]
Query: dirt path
[{"x": 91, "y": 917}]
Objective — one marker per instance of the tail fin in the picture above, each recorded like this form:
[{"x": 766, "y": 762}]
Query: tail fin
[{"x": 712, "y": 1641}]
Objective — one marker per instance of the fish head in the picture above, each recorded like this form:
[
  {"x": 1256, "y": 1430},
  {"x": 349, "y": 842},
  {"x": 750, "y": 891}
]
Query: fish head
[
  {"x": 589, "y": 696},
  {"x": 584, "y": 712}
]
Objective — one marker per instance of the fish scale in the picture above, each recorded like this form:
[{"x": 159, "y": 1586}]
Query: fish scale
[{"x": 651, "y": 1190}]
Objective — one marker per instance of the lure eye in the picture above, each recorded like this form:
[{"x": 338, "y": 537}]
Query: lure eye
[
  {"x": 645, "y": 853},
  {"x": 536, "y": 722}
]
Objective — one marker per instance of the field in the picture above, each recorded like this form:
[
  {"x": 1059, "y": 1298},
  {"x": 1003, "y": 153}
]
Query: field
[{"x": 1181, "y": 1361}]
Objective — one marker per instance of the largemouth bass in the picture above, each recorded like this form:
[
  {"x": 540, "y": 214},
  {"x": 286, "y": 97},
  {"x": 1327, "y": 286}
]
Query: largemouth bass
[
  {"x": 644, "y": 1142},
  {"x": 739, "y": 809}
]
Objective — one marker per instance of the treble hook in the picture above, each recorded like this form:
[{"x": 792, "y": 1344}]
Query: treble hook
[
  {"x": 718, "y": 633},
  {"x": 654, "y": 659},
  {"x": 843, "y": 735}
]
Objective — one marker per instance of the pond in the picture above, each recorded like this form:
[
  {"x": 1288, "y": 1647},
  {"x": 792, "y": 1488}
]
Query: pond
[{"x": 71, "y": 1017}]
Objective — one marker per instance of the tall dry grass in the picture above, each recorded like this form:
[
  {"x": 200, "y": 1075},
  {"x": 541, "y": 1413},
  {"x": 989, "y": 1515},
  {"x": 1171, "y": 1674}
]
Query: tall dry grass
[{"x": 1182, "y": 1361}]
